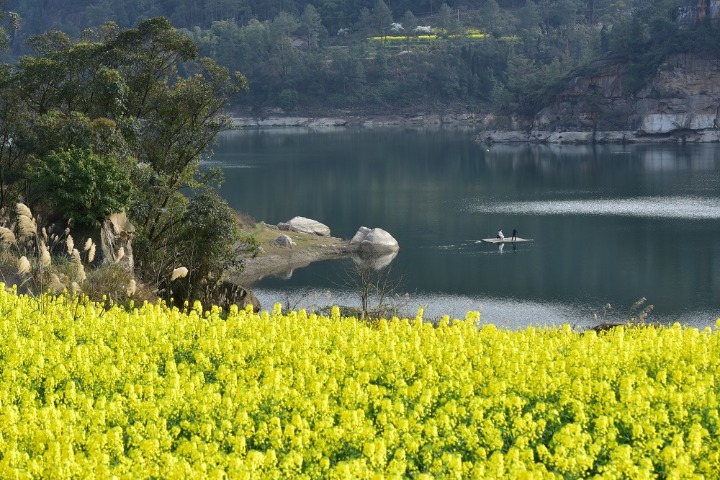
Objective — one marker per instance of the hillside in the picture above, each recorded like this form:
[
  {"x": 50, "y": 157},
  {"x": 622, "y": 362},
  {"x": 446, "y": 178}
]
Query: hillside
[
  {"x": 369, "y": 57},
  {"x": 545, "y": 66}
]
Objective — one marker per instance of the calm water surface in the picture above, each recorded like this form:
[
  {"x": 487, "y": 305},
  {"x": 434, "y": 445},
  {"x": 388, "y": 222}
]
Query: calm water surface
[{"x": 610, "y": 224}]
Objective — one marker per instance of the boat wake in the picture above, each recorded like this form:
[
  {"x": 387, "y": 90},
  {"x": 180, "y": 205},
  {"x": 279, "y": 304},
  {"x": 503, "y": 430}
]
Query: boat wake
[
  {"x": 694, "y": 208},
  {"x": 465, "y": 246}
]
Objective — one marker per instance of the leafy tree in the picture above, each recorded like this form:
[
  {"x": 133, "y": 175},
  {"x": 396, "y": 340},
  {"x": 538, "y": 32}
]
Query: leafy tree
[
  {"x": 382, "y": 17},
  {"x": 448, "y": 21},
  {"x": 91, "y": 107},
  {"x": 284, "y": 56},
  {"x": 489, "y": 15},
  {"x": 311, "y": 26},
  {"x": 84, "y": 186},
  {"x": 529, "y": 82},
  {"x": 205, "y": 240},
  {"x": 255, "y": 43},
  {"x": 333, "y": 13},
  {"x": 529, "y": 18},
  {"x": 224, "y": 44},
  {"x": 559, "y": 12},
  {"x": 501, "y": 99},
  {"x": 409, "y": 23},
  {"x": 288, "y": 99},
  {"x": 365, "y": 21},
  {"x": 13, "y": 118},
  {"x": 345, "y": 72}
]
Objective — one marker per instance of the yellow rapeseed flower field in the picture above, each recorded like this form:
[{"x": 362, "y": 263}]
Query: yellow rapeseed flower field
[{"x": 160, "y": 392}]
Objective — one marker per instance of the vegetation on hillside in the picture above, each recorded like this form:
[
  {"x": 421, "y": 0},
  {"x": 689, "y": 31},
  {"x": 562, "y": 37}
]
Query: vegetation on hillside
[
  {"x": 163, "y": 392},
  {"x": 508, "y": 56}
]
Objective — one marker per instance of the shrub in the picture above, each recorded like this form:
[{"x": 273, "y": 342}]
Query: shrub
[
  {"x": 81, "y": 185},
  {"x": 288, "y": 99},
  {"x": 203, "y": 237}
]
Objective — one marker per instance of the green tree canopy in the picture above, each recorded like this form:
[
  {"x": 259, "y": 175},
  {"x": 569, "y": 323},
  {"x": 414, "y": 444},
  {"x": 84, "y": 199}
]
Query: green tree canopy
[
  {"x": 382, "y": 17},
  {"x": 311, "y": 26},
  {"x": 86, "y": 187},
  {"x": 113, "y": 106}
]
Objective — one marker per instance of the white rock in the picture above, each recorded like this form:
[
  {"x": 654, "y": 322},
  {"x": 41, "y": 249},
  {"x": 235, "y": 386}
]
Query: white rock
[
  {"x": 375, "y": 239},
  {"x": 664, "y": 123},
  {"x": 307, "y": 225},
  {"x": 360, "y": 235}
]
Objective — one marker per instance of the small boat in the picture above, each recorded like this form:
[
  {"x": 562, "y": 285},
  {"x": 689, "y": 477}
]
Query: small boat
[{"x": 507, "y": 240}]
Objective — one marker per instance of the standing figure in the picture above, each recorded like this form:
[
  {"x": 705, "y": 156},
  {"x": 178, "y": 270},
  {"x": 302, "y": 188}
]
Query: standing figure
[
  {"x": 514, "y": 235},
  {"x": 500, "y": 235}
]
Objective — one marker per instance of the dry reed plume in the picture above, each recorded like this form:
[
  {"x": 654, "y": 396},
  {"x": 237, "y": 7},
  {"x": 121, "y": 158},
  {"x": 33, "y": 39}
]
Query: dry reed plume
[
  {"x": 45, "y": 259},
  {"x": 33, "y": 250},
  {"x": 179, "y": 272},
  {"x": 23, "y": 265},
  {"x": 7, "y": 237}
]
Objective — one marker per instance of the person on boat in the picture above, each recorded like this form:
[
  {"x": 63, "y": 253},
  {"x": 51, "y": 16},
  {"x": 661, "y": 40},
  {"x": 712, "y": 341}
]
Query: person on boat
[
  {"x": 500, "y": 235},
  {"x": 514, "y": 235}
]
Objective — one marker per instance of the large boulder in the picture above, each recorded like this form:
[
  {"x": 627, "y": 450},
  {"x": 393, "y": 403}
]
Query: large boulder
[
  {"x": 376, "y": 248},
  {"x": 307, "y": 225},
  {"x": 375, "y": 240}
]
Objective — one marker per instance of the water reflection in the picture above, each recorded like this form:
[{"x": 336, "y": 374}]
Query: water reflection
[
  {"x": 504, "y": 312},
  {"x": 659, "y": 158},
  {"x": 373, "y": 261}
]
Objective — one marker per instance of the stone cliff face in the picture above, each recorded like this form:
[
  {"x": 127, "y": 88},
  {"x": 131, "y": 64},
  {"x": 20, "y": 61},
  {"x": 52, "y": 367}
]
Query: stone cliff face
[
  {"x": 697, "y": 11},
  {"x": 681, "y": 100}
]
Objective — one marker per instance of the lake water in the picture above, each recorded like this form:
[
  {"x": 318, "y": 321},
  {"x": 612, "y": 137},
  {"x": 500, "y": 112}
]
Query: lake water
[{"x": 610, "y": 224}]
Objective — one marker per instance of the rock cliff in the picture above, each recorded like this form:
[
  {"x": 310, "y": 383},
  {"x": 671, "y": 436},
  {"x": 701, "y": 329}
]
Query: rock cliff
[
  {"x": 697, "y": 11},
  {"x": 681, "y": 102}
]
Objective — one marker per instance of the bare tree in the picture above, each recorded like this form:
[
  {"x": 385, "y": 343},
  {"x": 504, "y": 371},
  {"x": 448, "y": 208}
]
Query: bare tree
[{"x": 371, "y": 277}]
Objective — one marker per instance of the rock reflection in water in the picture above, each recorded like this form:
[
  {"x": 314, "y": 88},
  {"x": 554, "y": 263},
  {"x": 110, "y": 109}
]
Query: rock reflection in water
[{"x": 369, "y": 260}]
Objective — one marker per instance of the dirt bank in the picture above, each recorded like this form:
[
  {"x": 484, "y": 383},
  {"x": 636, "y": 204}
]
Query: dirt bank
[{"x": 277, "y": 261}]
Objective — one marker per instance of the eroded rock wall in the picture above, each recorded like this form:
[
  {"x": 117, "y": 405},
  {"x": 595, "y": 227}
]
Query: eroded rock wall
[
  {"x": 683, "y": 96},
  {"x": 695, "y": 12}
]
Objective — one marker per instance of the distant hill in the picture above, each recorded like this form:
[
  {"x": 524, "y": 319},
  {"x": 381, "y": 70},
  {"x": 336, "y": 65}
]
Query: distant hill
[{"x": 508, "y": 58}]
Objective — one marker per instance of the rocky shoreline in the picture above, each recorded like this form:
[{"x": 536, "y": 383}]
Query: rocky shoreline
[
  {"x": 350, "y": 120},
  {"x": 283, "y": 264},
  {"x": 583, "y": 138},
  {"x": 486, "y": 134},
  {"x": 680, "y": 103},
  {"x": 301, "y": 241}
]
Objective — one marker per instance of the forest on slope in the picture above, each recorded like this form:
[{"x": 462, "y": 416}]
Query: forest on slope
[{"x": 399, "y": 56}]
